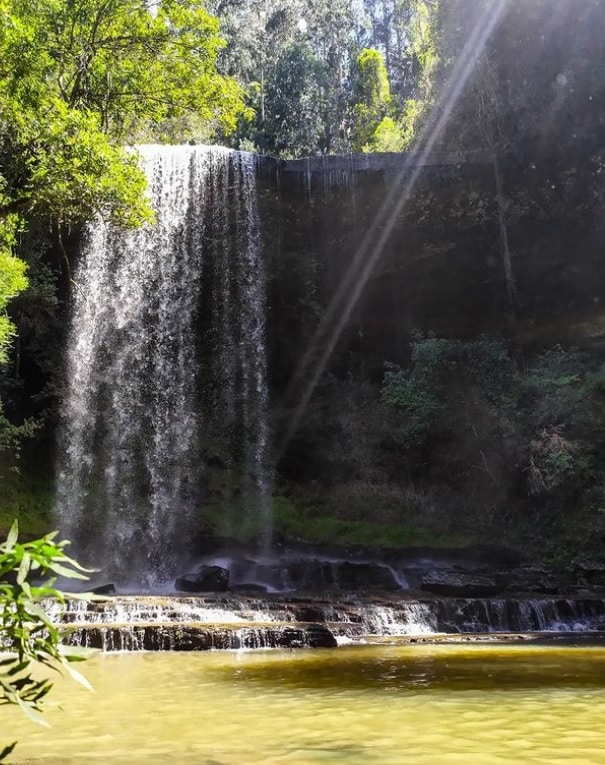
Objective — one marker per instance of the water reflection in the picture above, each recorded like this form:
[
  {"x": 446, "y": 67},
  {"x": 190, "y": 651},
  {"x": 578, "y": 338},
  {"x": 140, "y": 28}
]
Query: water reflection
[{"x": 397, "y": 669}]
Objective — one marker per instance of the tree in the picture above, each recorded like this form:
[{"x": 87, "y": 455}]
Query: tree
[
  {"x": 27, "y": 636},
  {"x": 320, "y": 40},
  {"x": 12, "y": 281},
  {"x": 404, "y": 32},
  {"x": 294, "y": 103},
  {"x": 79, "y": 81},
  {"x": 373, "y": 126}
]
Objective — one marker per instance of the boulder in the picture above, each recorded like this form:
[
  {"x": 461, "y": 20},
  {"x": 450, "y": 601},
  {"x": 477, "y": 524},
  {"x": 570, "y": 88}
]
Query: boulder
[
  {"x": 309, "y": 636},
  {"x": 460, "y": 585},
  {"x": 319, "y": 636},
  {"x": 205, "y": 579}
]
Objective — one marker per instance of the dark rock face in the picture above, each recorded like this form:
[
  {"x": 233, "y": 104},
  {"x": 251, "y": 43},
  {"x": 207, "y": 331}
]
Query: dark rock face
[
  {"x": 535, "y": 579},
  {"x": 205, "y": 579},
  {"x": 314, "y": 575},
  {"x": 104, "y": 589},
  {"x": 591, "y": 573},
  {"x": 244, "y": 588},
  {"x": 362, "y": 576},
  {"x": 320, "y": 575},
  {"x": 460, "y": 585}
]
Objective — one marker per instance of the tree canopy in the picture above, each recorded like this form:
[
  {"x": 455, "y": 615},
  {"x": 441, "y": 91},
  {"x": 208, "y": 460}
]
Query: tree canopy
[{"x": 79, "y": 81}]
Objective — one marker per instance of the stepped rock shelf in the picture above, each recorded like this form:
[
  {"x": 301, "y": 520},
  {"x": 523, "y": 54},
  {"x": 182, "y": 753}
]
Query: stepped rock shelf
[{"x": 180, "y": 623}]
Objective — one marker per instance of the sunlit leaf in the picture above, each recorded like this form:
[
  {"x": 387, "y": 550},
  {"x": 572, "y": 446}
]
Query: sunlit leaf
[
  {"x": 66, "y": 572},
  {"x": 78, "y": 677},
  {"x": 12, "y": 537},
  {"x": 23, "y": 568}
]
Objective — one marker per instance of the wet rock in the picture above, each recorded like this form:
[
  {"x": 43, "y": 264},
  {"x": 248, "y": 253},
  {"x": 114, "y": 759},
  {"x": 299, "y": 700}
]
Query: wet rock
[
  {"x": 205, "y": 579},
  {"x": 313, "y": 575},
  {"x": 177, "y": 637},
  {"x": 318, "y": 576},
  {"x": 460, "y": 585},
  {"x": 104, "y": 589},
  {"x": 244, "y": 588},
  {"x": 365, "y": 576},
  {"x": 590, "y": 572},
  {"x": 246, "y": 571},
  {"x": 310, "y": 613},
  {"x": 319, "y": 636},
  {"x": 312, "y": 636},
  {"x": 534, "y": 579}
]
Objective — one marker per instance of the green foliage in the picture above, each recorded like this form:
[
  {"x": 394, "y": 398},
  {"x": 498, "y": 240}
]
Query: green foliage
[
  {"x": 12, "y": 278},
  {"x": 309, "y": 522},
  {"x": 294, "y": 102},
  {"x": 423, "y": 42},
  {"x": 293, "y": 59},
  {"x": 373, "y": 127},
  {"x": 565, "y": 412},
  {"x": 468, "y": 417},
  {"x": 27, "y": 636},
  {"x": 437, "y": 366},
  {"x": 77, "y": 80},
  {"x": 387, "y": 136},
  {"x": 529, "y": 91},
  {"x": 372, "y": 87},
  {"x": 26, "y": 493}
]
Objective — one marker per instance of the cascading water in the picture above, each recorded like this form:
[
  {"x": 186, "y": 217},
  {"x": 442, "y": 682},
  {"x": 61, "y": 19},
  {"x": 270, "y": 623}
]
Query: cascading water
[{"x": 166, "y": 348}]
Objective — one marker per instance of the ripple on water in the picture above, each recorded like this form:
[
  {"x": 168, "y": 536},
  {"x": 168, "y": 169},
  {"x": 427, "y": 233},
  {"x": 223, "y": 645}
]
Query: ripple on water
[{"x": 378, "y": 705}]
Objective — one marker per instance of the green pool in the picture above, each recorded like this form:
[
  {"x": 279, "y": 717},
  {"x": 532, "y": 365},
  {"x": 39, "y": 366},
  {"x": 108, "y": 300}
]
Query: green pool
[{"x": 376, "y": 705}]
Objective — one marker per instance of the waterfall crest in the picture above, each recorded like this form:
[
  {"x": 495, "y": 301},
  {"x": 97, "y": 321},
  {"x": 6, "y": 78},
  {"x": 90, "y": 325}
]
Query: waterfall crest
[{"x": 166, "y": 347}]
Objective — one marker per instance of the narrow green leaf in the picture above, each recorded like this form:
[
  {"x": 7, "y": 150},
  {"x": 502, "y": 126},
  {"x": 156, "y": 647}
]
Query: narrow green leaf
[
  {"x": 67, "y": 572},
  {"x": 35, "y": 610},
  {"x": 78, "y": 677},
  {"x": 23, "y": 568},
  {"x": 12, "y": 537},
  {"x": 32, "y": 713}
]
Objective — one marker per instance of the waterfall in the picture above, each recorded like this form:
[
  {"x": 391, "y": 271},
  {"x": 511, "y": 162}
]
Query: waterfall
[{"x": 166, "y": 351}]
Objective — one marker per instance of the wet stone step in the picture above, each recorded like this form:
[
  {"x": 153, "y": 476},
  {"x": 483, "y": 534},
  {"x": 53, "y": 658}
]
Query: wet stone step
[
  {"x": 178, "y": 637},
  {"x": 214, "y": 622}
]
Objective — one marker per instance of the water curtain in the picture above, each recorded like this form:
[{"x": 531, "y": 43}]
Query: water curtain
[{"x": 166, "y": 365}]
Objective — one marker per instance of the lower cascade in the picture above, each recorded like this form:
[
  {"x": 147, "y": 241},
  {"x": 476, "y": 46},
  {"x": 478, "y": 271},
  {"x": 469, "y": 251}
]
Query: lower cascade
[
  {"x": 230, "y": 622},
  {"x": 166, "y": 355}
]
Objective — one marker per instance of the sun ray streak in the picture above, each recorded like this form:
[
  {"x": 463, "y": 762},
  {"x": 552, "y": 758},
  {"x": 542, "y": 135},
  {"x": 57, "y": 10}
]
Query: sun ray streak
[{"x": 372, "y": 245}]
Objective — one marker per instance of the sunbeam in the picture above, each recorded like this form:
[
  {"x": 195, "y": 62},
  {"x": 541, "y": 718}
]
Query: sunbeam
[{"x": 369, "y": 251}]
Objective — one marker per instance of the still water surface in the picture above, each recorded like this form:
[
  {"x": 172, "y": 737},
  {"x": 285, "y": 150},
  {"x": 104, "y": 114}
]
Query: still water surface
[{"x": 376, "y": 705}]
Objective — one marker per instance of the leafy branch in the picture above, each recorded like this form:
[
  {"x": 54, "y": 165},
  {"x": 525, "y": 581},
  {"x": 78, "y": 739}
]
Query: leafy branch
[{"x": 27, "y": 635}]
